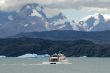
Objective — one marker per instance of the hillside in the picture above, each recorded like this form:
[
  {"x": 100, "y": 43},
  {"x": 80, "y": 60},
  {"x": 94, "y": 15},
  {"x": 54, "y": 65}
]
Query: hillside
[
  {"x": 98, "y": 37},
  {"x": 19, "y": 46}
]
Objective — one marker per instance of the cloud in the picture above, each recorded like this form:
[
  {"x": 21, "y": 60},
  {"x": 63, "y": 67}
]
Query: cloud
[
  {"x": 80, "y": 4},
  {"x": 99, "y": 10},
  {"x": 51, "y": 12},
  {"x": 57, "y": 4}
]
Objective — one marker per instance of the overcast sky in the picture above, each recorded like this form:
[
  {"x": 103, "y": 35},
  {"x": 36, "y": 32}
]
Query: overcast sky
[{"x": 73, "y": 9}]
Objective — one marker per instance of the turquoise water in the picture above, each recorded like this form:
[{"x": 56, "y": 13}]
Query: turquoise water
[{"x": 33, "y": 65}]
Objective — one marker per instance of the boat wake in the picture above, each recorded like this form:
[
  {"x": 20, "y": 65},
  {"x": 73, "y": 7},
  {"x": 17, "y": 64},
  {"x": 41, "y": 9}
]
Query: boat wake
[
  {"x": 38, "y": 64},
  {"x": 22, "y": 64},
  {"x": 47, "y": 63}
]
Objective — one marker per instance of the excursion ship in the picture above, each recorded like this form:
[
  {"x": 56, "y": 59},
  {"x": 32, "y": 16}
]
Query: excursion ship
[{"x": 57, "y": 59}]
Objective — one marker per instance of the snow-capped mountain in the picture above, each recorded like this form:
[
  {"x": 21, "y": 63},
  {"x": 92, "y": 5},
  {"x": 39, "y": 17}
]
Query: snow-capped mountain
[
  {"x": 59, "y": 22},
  {"x": 31, "y": 18},
  {"x": 33, "y": 10},
  {"x": 96, "y": 22}
]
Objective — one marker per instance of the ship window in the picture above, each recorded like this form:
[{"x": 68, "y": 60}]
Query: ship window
[{"x": 54, "y": 60}]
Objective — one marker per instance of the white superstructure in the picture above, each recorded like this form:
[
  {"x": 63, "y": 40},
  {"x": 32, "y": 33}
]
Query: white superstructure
[{"x": 57, "y": 59}]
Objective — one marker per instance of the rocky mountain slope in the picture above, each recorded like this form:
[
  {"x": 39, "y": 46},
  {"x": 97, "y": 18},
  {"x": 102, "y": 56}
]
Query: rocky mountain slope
[
  {"x": 31, "y": 18},
  {"x": 96, "y": 22}
]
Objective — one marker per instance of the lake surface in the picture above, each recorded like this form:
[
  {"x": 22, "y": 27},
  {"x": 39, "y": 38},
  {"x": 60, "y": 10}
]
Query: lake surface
[{"x": 33, "y": 65}]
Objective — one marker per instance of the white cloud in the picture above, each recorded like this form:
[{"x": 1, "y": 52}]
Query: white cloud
[
  {"x": 2, "y": 1},
  {"x": 57, "y": 4},
  {"x": 51, "y": 12},
  {"x": 99, "y": 10}
]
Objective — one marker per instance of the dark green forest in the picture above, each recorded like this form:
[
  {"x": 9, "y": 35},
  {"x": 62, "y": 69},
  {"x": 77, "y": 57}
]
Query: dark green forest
[{"x": 13, "y": 47}]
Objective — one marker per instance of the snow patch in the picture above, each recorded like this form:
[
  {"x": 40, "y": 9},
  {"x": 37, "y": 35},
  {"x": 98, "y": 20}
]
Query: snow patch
[
  {"x": 89, "y": 16},
  {"x": 106, "y": 16},
  {"x": 26, "y": 25},
  {"x": 47, "y": 25},
  {"x": 28, "y": 7},
  {"x": 33, "y": 23},
  {"x": 38, "y": 8},
  {"x": 10, "y": 17},
  {"x": 35, "y": 13},
  {"x": 62, "y": 26},
  {"x": 74, "y": 25},
  {"x": 60, "y": 21}
]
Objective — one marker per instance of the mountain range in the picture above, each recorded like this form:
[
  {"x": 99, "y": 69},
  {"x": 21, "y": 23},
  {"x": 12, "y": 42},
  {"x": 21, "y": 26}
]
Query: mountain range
[
  {"x": 32, "y": 18},
  {"x": 30, "y": 30}
]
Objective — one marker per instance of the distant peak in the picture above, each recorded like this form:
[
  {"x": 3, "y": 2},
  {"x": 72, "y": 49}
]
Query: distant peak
[
  {"x": 97, "y": 14},
  {"x": 61, "y": 15},
  {"x": 32, "y": 6}
]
